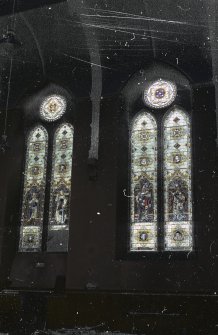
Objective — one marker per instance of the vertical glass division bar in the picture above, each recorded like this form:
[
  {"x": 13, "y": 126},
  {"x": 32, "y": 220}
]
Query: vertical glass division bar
[
  {"x": 143, "y": 200},
  {"x": 60, "y": 191},
  {"x": 177, "y": 181},
  {"x": 34, "y": 191}
]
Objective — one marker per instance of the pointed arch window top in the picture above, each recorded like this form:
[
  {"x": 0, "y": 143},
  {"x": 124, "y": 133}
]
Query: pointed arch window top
[
  {"x": 144, "y": 121},
  {"x": 176, "y": 117}
]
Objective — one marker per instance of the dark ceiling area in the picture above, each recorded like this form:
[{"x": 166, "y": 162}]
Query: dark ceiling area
[
  {"x": 13, "y": 6},
  {"x": 106, "y": 40}
]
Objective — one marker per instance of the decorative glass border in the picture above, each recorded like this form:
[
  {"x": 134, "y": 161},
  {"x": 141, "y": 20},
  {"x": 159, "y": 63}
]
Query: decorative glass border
[
  {"x": 160, "y": 93},
  {"x": 53, "y": 108}
]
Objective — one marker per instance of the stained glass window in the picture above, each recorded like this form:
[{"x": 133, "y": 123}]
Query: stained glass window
[
  {"x": 53, "y": 108},
  {"x": 143, "y": 205},
  {"x": 34, "y": 191},
  {"x": 177, "y": 181},
  {"x": 159, "y": 94},
  {"x": 59, "y": 208}
]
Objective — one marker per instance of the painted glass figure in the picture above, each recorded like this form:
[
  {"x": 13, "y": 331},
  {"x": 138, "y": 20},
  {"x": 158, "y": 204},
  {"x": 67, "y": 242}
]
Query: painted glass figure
[
  {"x": 34, "y": 191},
  {"x": 60, "y": 190},
  {"x": 143, "y": 203},
  {"x": 177, "y": 181}
]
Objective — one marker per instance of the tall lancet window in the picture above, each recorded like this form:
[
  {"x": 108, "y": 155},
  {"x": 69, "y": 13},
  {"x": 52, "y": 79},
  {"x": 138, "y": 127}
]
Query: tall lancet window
[
  {"x": 143, "y": 183},
  {"x": 47, "y": 187},
  {"x": 59, "y": 208},
  {"x": 34, "y": 191},
  {"x": 177, "y": 181},
  {"x": 161, "y": 174}
]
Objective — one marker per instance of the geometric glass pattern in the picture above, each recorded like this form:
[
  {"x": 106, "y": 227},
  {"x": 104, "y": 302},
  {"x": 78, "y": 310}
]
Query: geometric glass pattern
[
  {"x": 160, "y": 94},
  {"x": 34, "y": 191},
  {"x": 52, "y": 108},
  {"x": 177, "y": 181},
  {"x": 60, "y": 190},
  {"x": 143, "y": 199}
]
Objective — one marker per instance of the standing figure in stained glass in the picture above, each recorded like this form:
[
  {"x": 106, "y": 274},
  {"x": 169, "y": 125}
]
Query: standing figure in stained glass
[
  {"x": 143, "y": 201},
  {"x": 34, "y": 190},
  {"x": 33, "y": 207},
  {"x": 178, "y": 206},
  {"x": 61, "y": 207}
]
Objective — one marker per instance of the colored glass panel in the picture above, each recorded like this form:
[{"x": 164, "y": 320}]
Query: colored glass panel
[
  {"x": 34, "y": 191},
  {"x": 177, "y": 181},
  {"x": 143, "y": 203},
  {"x": 59, "y": 207},
  {"x": 53, "y": 108},
  {"x": 160, "y": 94}
]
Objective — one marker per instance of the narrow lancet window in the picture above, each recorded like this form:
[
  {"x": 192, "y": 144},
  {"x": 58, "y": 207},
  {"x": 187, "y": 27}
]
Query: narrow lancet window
[
  {"x": 143, "y": 199},
  {"x": 60, "y": 190},
  {"x": 177, "y": 181},
  {"x": 34, "y": 191}
]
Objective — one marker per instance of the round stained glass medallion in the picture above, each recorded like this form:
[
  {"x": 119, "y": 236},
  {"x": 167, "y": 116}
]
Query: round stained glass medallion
[
  {"x": 161, "y": 93},
  {"x": 52, "y": 108}
]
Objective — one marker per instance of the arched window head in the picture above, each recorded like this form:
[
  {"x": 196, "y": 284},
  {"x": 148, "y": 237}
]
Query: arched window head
[
  {"x": 34, "y": 191},
  {"x": 60, "y": 190},
  {"x": 177, "y": 181},
  {"x": 143, "y": 206}
]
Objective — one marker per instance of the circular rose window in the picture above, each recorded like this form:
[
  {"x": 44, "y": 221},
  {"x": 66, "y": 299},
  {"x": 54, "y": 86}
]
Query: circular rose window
[
  {"x": 52, "y": 108},
  {"x": 161, "y": 93}
]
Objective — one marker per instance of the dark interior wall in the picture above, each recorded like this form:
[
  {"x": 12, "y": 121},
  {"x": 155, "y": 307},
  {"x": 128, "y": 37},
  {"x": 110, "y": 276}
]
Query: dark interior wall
[
  {"x": 11, "y": 172},
  {"x": 56, "y": 52},
  {"x": 187, "y": 272},
  {"x": 92, "y": 259}
]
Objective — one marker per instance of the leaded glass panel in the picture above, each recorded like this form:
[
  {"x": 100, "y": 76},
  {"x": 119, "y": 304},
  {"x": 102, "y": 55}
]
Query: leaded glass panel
[
  {"x": 143, "y": 206},
  {"x": 59, "y": 207},
  {"x": 159, "y": 94},
  {"x": 53, "y": 108},
  {"x": 177, "y": 181},
  {"x": 34, "y": 191}
]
